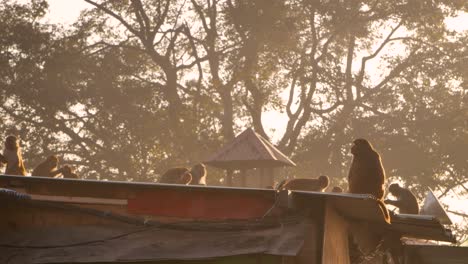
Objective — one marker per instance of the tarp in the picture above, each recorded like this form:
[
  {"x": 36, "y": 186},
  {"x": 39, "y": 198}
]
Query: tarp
[
  {"x": 425, "y": 254},
  {"x": 85, "y": 244}
]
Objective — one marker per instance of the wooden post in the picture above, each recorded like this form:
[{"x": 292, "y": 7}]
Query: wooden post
[
  {"x": 243, "y": 174},
  {"x": 335, "y": 237},
  {"x": 266, "y": 177},
  {"x": 228, "y": 178}
]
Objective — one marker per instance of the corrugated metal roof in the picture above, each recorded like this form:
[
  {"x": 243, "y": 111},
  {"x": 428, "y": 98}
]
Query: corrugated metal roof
[
  {"x": 362, "y": 207},
  {"x": 248, "y": 150},
  {"x": 111, "y": 189},
  {"x": 354, "y": 206},
  {"x": 421, "y": 226}
]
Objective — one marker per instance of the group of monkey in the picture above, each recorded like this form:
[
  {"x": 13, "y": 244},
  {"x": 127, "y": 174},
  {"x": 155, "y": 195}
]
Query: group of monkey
[
  {"x": 13, "y": 159},
  {"x": 366, "y": 175}
]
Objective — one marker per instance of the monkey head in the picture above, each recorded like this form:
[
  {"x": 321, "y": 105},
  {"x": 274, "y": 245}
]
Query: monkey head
[
  {"x": 178, "y": 175},
  {"x": 395, "y": 189},
  {"x": 337, "y": 189},
  {"x": 185, "y": 178},
  {"x": 11, "y": 143},
  {"x": 198, "y": 171},
  {"x": 323, "y": 181},
  {"x": 361, "y": 145},
  {"x": 68, "y": 172},
  {"x": 66, "y": 169},
  {"x": 52, "y": 161}
]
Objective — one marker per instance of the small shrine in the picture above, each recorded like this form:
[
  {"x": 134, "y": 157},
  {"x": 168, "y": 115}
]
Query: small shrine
[{"x": 253, "y": 156}]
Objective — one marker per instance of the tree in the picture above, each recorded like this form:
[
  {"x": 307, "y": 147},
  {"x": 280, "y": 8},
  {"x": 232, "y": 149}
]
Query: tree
[{"x": 134, "y": 87}]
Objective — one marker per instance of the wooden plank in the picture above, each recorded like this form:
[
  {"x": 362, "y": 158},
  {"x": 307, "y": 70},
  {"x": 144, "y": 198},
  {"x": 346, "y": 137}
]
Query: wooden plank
[
  {"x": 18, "y": 216},
  {"x": 192, "y": 202},
  {"x": 202, "y": 205},
  {"x": 335, "y": 238},
  {"x": 79, "y": 200}
]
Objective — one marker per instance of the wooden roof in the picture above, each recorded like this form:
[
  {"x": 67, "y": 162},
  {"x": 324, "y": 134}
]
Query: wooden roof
[
  {"x": 248, "y": 150},
  {"x": 178, "y": 223}
]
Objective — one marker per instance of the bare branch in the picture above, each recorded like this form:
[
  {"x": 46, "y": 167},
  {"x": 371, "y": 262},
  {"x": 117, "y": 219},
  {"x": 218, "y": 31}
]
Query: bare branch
[
  {"x": 195, "y": 54},
  {"x": 327, "y": 110},
  {"x": 458, "y": 213},
  {"x": 116, "y": 16},
  {"x": 291, "y": 97},
  {"x": 161, "y": 17},
  {"x": 364, "y": 60},
  {"x": 142, "y": 17}
]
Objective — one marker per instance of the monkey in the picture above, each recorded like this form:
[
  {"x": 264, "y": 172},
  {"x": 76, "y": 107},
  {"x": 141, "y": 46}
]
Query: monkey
[
  {"x": 68, "y": 172},
  {"x": 198, "y": 172},
  {"x": 366, "y": 174},
  {"x": 337, "y": 189},
  {"x": 176, "y": 176},
  {"x": 406, "y": 201},
  {"x": 14, "y": 158},
  {"x": 302, "y": 184},
  {"x": 47, "y": 168}
]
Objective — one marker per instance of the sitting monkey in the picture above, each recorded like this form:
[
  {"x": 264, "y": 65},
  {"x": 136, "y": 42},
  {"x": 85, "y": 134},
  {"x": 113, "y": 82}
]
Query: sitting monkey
[
  {"x": 406, "y": 201},
  {"x": 13, "y": 157},
  {"x": 68, "y": 172},
  {"x": 198, "y": 172},
  {"x": 366, "y": 174},
  {"x": 176, "y": 176},
  {"x": 302, "y": 184},
  {"x": 337, "y": 189},
  {"x": 47, "y": 168}
]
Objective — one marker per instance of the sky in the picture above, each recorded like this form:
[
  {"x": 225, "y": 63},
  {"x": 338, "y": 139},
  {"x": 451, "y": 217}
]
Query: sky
[{"x": 67, "y": 11}]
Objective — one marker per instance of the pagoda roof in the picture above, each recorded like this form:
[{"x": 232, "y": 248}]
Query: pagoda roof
[{"x": 248, "y": 150}]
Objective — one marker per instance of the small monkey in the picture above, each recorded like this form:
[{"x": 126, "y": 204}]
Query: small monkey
[
  {"x": 366, "y": 174},
  {"x": 337, "y": 189},
  {"x": 47, "y": 168},
  {"x": 315, "y": 185},
  {"x": 68, "y": 172},
  {"x": 406, "y": 202},
  {"x": 14, "y": 158},
  {"x": 176, "y": 176},
  {"x": 198, "y": 174}
]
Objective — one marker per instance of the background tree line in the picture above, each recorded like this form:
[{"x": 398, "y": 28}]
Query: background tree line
[{"x": 134, "y": 87}]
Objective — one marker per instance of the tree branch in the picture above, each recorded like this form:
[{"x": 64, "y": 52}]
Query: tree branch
[{"x": 116, "y": 16}]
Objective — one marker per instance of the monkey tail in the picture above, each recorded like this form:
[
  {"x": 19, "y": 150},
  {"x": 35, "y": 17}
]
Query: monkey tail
[{"x": 385, "y": 211}]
